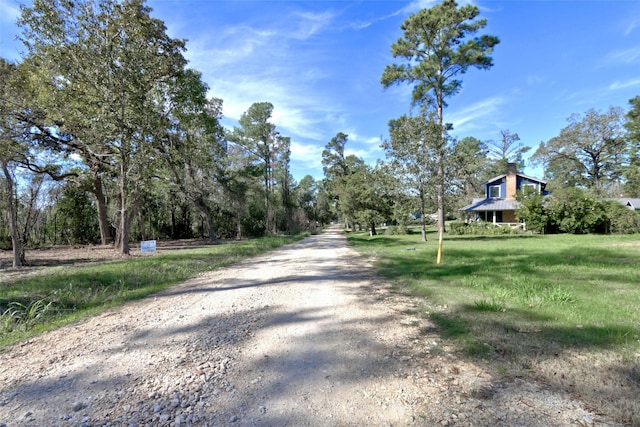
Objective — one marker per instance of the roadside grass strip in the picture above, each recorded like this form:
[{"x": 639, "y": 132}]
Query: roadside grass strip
[{"x": 60, "y": 295}]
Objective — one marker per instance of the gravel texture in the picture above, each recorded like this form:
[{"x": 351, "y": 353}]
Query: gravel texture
[{"x": 306, "y": 335}]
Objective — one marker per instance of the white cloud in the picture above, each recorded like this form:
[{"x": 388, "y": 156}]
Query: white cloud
[
  {"x": 249, "y": 63},
  {"x": 364, "y": 154},
  {"x": 310, "y": 24},
  {"x": 632, "y": 25},
  {"x": 306, "y": 153},
  {"x": 471, "y": 114},
  {"x": 416, "y": 5},
  {"x": 624, "y": 85},
  {"x": 627, "y": 56}
]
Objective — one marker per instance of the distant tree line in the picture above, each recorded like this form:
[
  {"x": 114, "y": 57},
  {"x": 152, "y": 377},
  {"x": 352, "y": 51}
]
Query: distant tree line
[{"x": 594, "y": 159}]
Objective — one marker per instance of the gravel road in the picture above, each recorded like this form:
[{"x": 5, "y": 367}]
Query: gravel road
[{"x": 306, "y": 335}]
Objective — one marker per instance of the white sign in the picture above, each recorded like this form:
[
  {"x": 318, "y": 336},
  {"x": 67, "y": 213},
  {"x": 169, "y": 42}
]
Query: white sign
[{"x": 148, "y": 246}]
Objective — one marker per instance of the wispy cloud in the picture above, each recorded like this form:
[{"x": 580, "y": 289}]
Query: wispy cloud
[
  {"x": 310, "y": 24},
  {"x": 412, "y": 7},
  {"x": 9, "y": 10},
  {"x": 361, "y": 24},
  {"x": 534, "y": 79},
  {"x": 626, "y": 56},
  {"x": 416, "y": 5},
  {"x": 461, "y": 119},
  {"x": 294, "y": 115},
  {"x": 632, "y": 25},
  {"x": 624, "y": 84}
]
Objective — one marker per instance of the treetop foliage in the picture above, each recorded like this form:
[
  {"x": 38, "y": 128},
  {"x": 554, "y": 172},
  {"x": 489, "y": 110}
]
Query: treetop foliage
[{"x": 436, "y": 47}]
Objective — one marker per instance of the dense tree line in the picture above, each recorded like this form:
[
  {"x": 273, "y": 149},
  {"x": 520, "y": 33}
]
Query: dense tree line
[{"x": 106, "y": 136}]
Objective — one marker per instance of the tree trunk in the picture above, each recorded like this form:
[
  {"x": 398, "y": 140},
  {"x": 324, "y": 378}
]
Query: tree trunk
[
  {"x": 238, "y": 225},
  {"x": 212, "y": 231},
  {"x": 124, "y": 227},
  {"x": 372, "y": 229},
  {"x": 101, "y": 203},
  {"x": 141, "y": 225},
  {"x": 423, "y": 222},
  {"x": 440, "y": 159},
  {"x": 204, "y": 211},
  {"x": 13, "y": 218}
]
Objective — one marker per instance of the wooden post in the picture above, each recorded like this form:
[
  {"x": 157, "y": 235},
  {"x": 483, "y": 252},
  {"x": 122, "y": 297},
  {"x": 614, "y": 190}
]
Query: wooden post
[{"x": 439, "y": 246}]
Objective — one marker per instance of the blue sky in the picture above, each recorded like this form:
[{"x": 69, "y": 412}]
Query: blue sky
[{"x": 320, "y": 62}]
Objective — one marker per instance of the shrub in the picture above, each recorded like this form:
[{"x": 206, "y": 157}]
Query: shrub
[
  {"x": 532, "y": 210},
  {"x": 621, "y": 219},
  {"x": 577, "y": 211},
  {"x": 480, "y": 228},
  {"x": 393, "y": 230}
]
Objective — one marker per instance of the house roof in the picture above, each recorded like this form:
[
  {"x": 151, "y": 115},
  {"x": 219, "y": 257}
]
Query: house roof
[
  {"x": 630, "y": 203},
  {"x": 530, "y": 178},
  {"x": 479, "y": 205}
]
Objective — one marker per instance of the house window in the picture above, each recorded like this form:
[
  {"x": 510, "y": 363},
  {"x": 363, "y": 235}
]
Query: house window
[
  {"x": 494, "y": 192},
  {"x": 526, "y": 188}
]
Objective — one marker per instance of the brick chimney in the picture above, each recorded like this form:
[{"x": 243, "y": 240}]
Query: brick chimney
[{"x": 512, "y": 170}]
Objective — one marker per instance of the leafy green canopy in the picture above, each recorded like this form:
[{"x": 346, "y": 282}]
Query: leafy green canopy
[
  {"x": 590, "y": 152},
  {"x": 632, "y": 174}
]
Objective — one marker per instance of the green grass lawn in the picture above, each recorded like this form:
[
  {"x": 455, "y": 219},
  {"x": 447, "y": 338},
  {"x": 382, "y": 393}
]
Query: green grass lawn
[
  {"x": 524, "y": 294},
  {"x": 561, "y": 309},
  {"x": 63, "y": 294}
]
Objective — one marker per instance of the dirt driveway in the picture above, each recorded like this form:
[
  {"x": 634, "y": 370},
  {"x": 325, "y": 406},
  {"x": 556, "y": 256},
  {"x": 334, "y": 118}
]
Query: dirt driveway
[{"x": 303, "y": 336}]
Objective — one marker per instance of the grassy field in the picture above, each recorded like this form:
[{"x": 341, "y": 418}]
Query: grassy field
[
  {"x": 62, "y": 294},
  {"x": 553, "y": 307}
]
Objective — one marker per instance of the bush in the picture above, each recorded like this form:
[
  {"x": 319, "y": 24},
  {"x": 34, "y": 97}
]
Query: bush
[
  {"x": 480, "y": 228},
  {"x": 622, "y": 220},
  {"x": 403, "y": 229},
  {"x": 532, "y": 211},
  {"x": 393, "y": 230},
  {"x": 577, "y": 211},
  {"x": 458, "y": 228}
]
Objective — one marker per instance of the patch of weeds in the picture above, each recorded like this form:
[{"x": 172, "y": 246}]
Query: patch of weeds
[
  {"x": 450, "y": 327},
  {"x": 491, "y": 306},
  {"x": 537, "y": 292},
  {"x": 484, "y": 393},
  {"x": 502, "y": 370},
  {"x": 26, "y": 315},
  {"x": 475, "y": 348},
  {"x": 7, "y": 323},
  {"x": 558, "y": 296},
  {"x": 437, "y": 350}
]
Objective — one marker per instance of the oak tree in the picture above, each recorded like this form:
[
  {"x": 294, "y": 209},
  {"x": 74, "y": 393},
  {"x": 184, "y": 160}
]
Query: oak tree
[
  {"x": 632, "y": 172},
  {"x": 97, "y": 62},
  {"x": 591, "y": 151}
]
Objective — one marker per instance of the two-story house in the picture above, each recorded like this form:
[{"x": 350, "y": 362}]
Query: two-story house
[{"x": 499, "y": 204}]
